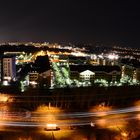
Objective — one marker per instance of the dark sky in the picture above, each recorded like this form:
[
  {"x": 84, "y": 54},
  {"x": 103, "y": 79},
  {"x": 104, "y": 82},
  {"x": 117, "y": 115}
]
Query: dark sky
[{"x": 89, "y": 21}]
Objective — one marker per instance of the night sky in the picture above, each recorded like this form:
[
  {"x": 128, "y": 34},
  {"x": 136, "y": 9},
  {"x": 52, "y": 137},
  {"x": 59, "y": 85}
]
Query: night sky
[{"x": 87, "y": 21}]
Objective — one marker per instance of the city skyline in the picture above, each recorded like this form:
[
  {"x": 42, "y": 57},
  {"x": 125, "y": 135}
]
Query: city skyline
[
  {"x": 69, "y": 92},
  {"x": 111, "y": 22}
]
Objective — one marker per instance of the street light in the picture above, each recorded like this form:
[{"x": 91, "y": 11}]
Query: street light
[
  {"x": 124, "y": 134},
  {"x": 3, "y": 98},
  {"x": 101, "y": 109}
]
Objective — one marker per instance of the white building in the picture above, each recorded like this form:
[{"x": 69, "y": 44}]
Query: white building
[
  {"x": 9, "y": 68},
  {"x": 87, "y": 75}
]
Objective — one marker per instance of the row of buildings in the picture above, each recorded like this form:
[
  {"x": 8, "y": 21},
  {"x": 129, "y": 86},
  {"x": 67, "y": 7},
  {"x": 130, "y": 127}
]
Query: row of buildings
[
  {"x": 91, "y": 72},
  {"x": 49, "y": 71},
  {"x": 64, "y": 68}
]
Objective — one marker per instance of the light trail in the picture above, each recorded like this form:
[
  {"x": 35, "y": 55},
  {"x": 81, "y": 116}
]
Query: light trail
[
  {"x": 78, "y": 123},
  {"x": 36, "y": 119},
  {"x": 92, "y": 114},
  {"x": 31, "y": 124},
  {"x": 32, "y": 115},
  {"x": 38, "y": 122}
]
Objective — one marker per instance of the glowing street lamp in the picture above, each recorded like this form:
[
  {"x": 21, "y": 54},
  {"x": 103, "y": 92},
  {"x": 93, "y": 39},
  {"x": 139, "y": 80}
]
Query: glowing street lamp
[
  {"x": 3, "y": 98},
  {"x": 124, "y": 134}
]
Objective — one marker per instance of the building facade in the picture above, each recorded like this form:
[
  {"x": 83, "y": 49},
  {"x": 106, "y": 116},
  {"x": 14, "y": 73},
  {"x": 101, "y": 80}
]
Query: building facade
[
  {"x": 8, "y": 68},
  {"x": 91, "y": 73}
]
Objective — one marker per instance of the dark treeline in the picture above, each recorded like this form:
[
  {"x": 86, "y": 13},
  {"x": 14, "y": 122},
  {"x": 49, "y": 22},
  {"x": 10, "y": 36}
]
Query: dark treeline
[
  {"x": 83, "y": 98},
  {"x": 80, "y": 98},
  {"x": 28, "y": 49}
]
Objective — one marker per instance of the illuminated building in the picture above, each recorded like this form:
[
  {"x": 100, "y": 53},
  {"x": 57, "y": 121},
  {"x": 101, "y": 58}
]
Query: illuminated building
[
  {"x": 9, "y": 68},
  {"x": 136, "y": 74},
  {"x": 87, "y": 75},
  {"x": 40, "y": 72},
  {"x": 123, "y": 71},
  {"x": 33, "y": 76},
  {"x": 90, "y": 72},
  {"x": 40, "y": 77},
  {"x": 127, "y": 70}
]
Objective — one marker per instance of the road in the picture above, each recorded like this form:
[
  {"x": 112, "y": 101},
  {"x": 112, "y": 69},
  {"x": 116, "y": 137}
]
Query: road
[{"x": 78, "y": 123}]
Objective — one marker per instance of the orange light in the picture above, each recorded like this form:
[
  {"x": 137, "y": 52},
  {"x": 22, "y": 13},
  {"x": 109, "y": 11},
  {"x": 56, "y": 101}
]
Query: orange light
[
  {"x": 3, "y": 98},
  {"x": 124, "y": 134},
  {"x": 51, "y": 126}
]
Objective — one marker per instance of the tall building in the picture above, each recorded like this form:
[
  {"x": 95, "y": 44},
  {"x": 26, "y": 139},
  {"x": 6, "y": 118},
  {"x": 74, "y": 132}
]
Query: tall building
[{"x": 9, "y": 68}]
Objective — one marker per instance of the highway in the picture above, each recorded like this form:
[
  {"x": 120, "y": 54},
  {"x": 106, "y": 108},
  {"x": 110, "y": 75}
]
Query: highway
[
  {"x": 36, "y": 119},
  {"x": 71, "y": 125},
  {"x": 54, "y": 123}
]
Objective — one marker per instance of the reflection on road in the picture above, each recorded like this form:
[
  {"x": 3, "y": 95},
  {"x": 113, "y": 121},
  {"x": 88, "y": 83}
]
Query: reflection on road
[{"x": 101, "y": 118}]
